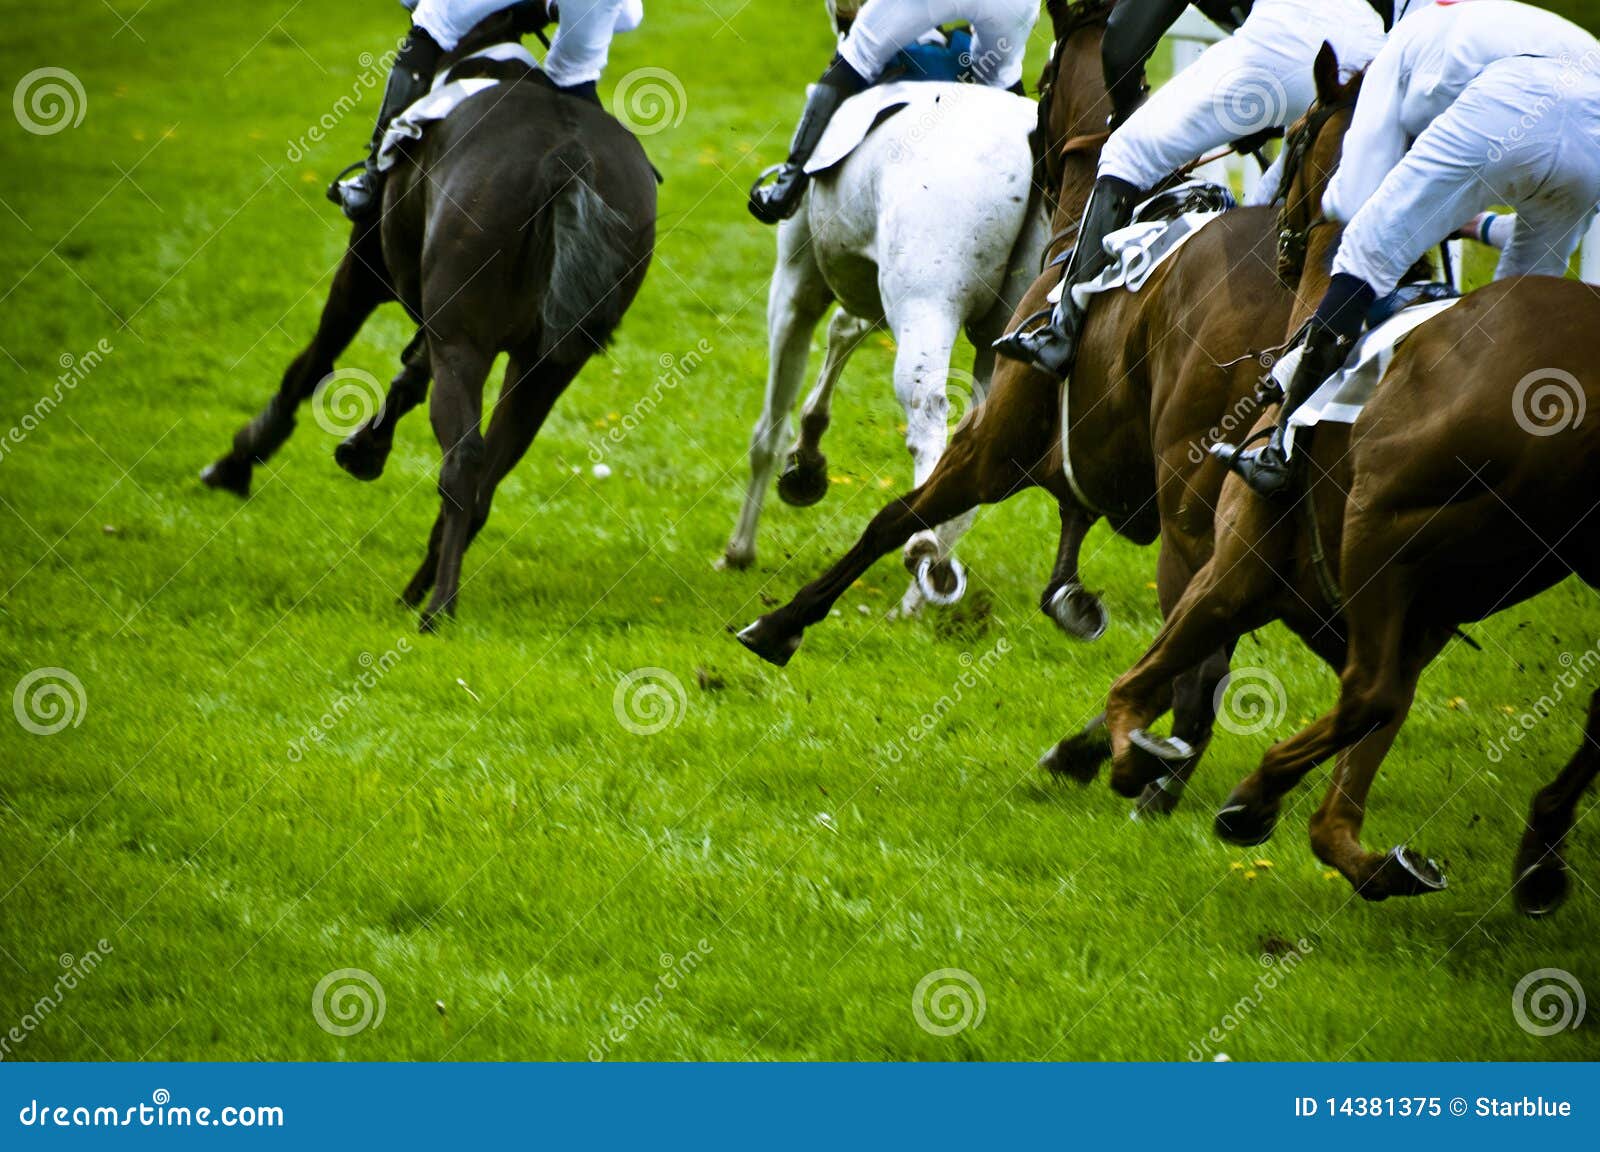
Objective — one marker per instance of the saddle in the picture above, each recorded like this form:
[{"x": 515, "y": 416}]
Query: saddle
[
  {"x": 1345, "y": 394},
  {"x": 1161, "y": 225}
]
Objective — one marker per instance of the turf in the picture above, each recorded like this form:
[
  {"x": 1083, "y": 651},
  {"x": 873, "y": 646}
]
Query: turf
[{"x": 772, "y": 874}]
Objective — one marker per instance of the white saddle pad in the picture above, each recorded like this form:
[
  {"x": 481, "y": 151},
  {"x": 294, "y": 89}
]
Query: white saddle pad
[
  {"x": 1346, "y": 393},
  {"x": 1136, "y": 252},
  {"x": 857, "y": 116},
  {"x": 446, "y": 95}
]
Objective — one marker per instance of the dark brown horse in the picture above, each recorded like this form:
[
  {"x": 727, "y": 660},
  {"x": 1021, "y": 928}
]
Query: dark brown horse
[
  {"x": 1160, "y": 374},
  {"x": 522, "y": 223},
  {"x": 1452, "y": 497}
]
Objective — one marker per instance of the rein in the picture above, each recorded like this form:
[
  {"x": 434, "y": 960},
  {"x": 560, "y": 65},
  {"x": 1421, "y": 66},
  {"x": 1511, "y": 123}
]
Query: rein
[{"x": 1293, "y": 243}]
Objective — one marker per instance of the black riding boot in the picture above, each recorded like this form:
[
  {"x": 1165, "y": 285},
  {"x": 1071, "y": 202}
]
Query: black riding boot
[
  {"x": 1052, "y": 345},
  {"x": 779, "y": 200},
  {"x": 361, "y": 194},
  {"x": 1269, "y": 470}
]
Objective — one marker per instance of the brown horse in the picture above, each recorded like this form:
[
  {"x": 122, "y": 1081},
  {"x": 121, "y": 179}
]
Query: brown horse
[
  {"x": 1451, "y": 498},
  {"x": 522, "y": 223},
  {"x": 1160, "y": 374}
]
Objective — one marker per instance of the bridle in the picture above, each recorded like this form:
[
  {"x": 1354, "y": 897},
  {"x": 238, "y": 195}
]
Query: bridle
[
  {"x": 1092, "y": 14},
  {"x": 1294, "y": 242}
]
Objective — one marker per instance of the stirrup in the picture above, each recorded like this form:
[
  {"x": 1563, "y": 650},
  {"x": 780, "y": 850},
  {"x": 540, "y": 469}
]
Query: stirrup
[
  {"x": 334, "y": 195},
  {"x": 1029, "y": 326},
  {"x": 766, "y": 177}
]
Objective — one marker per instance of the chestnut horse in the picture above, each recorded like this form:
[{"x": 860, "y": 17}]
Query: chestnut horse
[
  {"x": 1451, "y": 498},
  {"x": 1160, "y": 374},
  {"x": 524, "y": 223}
]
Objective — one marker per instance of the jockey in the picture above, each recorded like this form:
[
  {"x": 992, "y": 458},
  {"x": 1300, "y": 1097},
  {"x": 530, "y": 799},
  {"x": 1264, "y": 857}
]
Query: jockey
[
  {"x": 574, "y": 63},
  {"x": 1469, "y": 105},
  {"x": 1256, "y": 80},
  {"x": 871, "y": 32}
]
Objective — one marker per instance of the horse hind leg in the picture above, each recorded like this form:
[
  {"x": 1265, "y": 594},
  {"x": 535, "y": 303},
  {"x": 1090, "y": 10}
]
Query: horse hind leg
[
  {"x": 804, "y": 479},
  {"x": 922, "y": 378},
  {"x": 457, "y": 412},
  {"x": 1540, "y": 879},
  {"x": 356, "y": 293},
  {"x": 365, "y": 452},
  {"x": 798, "y": 298}
]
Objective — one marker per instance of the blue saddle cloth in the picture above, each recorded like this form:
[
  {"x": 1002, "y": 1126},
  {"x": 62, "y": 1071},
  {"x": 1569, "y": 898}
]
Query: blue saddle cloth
[{"x": 950, "y": 62}]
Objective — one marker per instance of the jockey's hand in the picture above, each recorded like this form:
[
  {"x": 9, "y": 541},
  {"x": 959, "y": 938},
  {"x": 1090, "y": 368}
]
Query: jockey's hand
[
  {"x": 534, "y": 15},
  {"x": 1253, "y": 143}
]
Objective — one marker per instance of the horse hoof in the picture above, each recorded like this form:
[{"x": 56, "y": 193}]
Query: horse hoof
[
  {"x": 1541, "y": 888},
  {"x": 941, "y": 582},
  {"x": 773, "y": 649},
  {"x": 1242, "y": 825},
  {"x": 1403, "y": 873},
  {"x": 1160, "y": 798},
  {"x": 735, "y": 560},
  {"x": 228, "y": 475},
  {"x": 803, "y": 483},
  {"x": 1078, "y": 612},
  {"x": 357, "y": 456},
  {"x": 1147, "y": 759},
  {"x": 1167, "y": 749},
  {"x": 1079, "y": 757}
]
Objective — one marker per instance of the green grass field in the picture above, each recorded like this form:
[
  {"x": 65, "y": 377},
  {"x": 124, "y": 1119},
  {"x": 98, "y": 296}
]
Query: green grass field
[{"x": 517, "y": 873}]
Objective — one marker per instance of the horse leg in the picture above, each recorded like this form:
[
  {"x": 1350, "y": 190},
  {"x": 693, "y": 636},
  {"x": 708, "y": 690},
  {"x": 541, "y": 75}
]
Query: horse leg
[
  {"x": 1075, "y": 610},
  {"x": 974, "y": 471},
  {"x": 926, "y": 337},
  {"x": 1194, "y": 714},
  {"x": 356, "y": 293},
  {"x": 1541, "y": 879},
  {"x": 457, "y": 413},
  {"x": 804, "y": 479},
  {"x": 798, "y": 298},
  {"x": 365, "y": 451},
  {"x": 1227, "y": 598}
]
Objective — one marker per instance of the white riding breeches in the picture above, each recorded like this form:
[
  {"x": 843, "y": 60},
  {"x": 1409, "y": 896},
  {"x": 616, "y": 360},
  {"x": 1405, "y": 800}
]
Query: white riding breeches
[
  {"x": 581, "y": 44},
  {"x": 1000, "y": 31},
  {"x": 1526, "y": 132},
  {"x": 1260, "y": 77}
]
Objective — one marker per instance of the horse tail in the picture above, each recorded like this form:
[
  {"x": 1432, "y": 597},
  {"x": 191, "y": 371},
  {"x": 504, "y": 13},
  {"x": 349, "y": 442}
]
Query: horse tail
[{"x": 588, "y": 252}]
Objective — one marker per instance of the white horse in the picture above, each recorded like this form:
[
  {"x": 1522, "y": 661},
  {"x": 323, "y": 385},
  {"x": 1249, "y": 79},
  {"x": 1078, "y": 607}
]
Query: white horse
[{"x": 930, "y": 225}]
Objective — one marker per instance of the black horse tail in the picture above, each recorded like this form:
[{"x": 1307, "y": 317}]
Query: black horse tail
[{"x": 590, "y": 256}]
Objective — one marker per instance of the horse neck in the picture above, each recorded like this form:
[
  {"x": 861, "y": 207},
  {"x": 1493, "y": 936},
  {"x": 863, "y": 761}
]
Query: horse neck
[{"x": 1316, "y": 275}]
